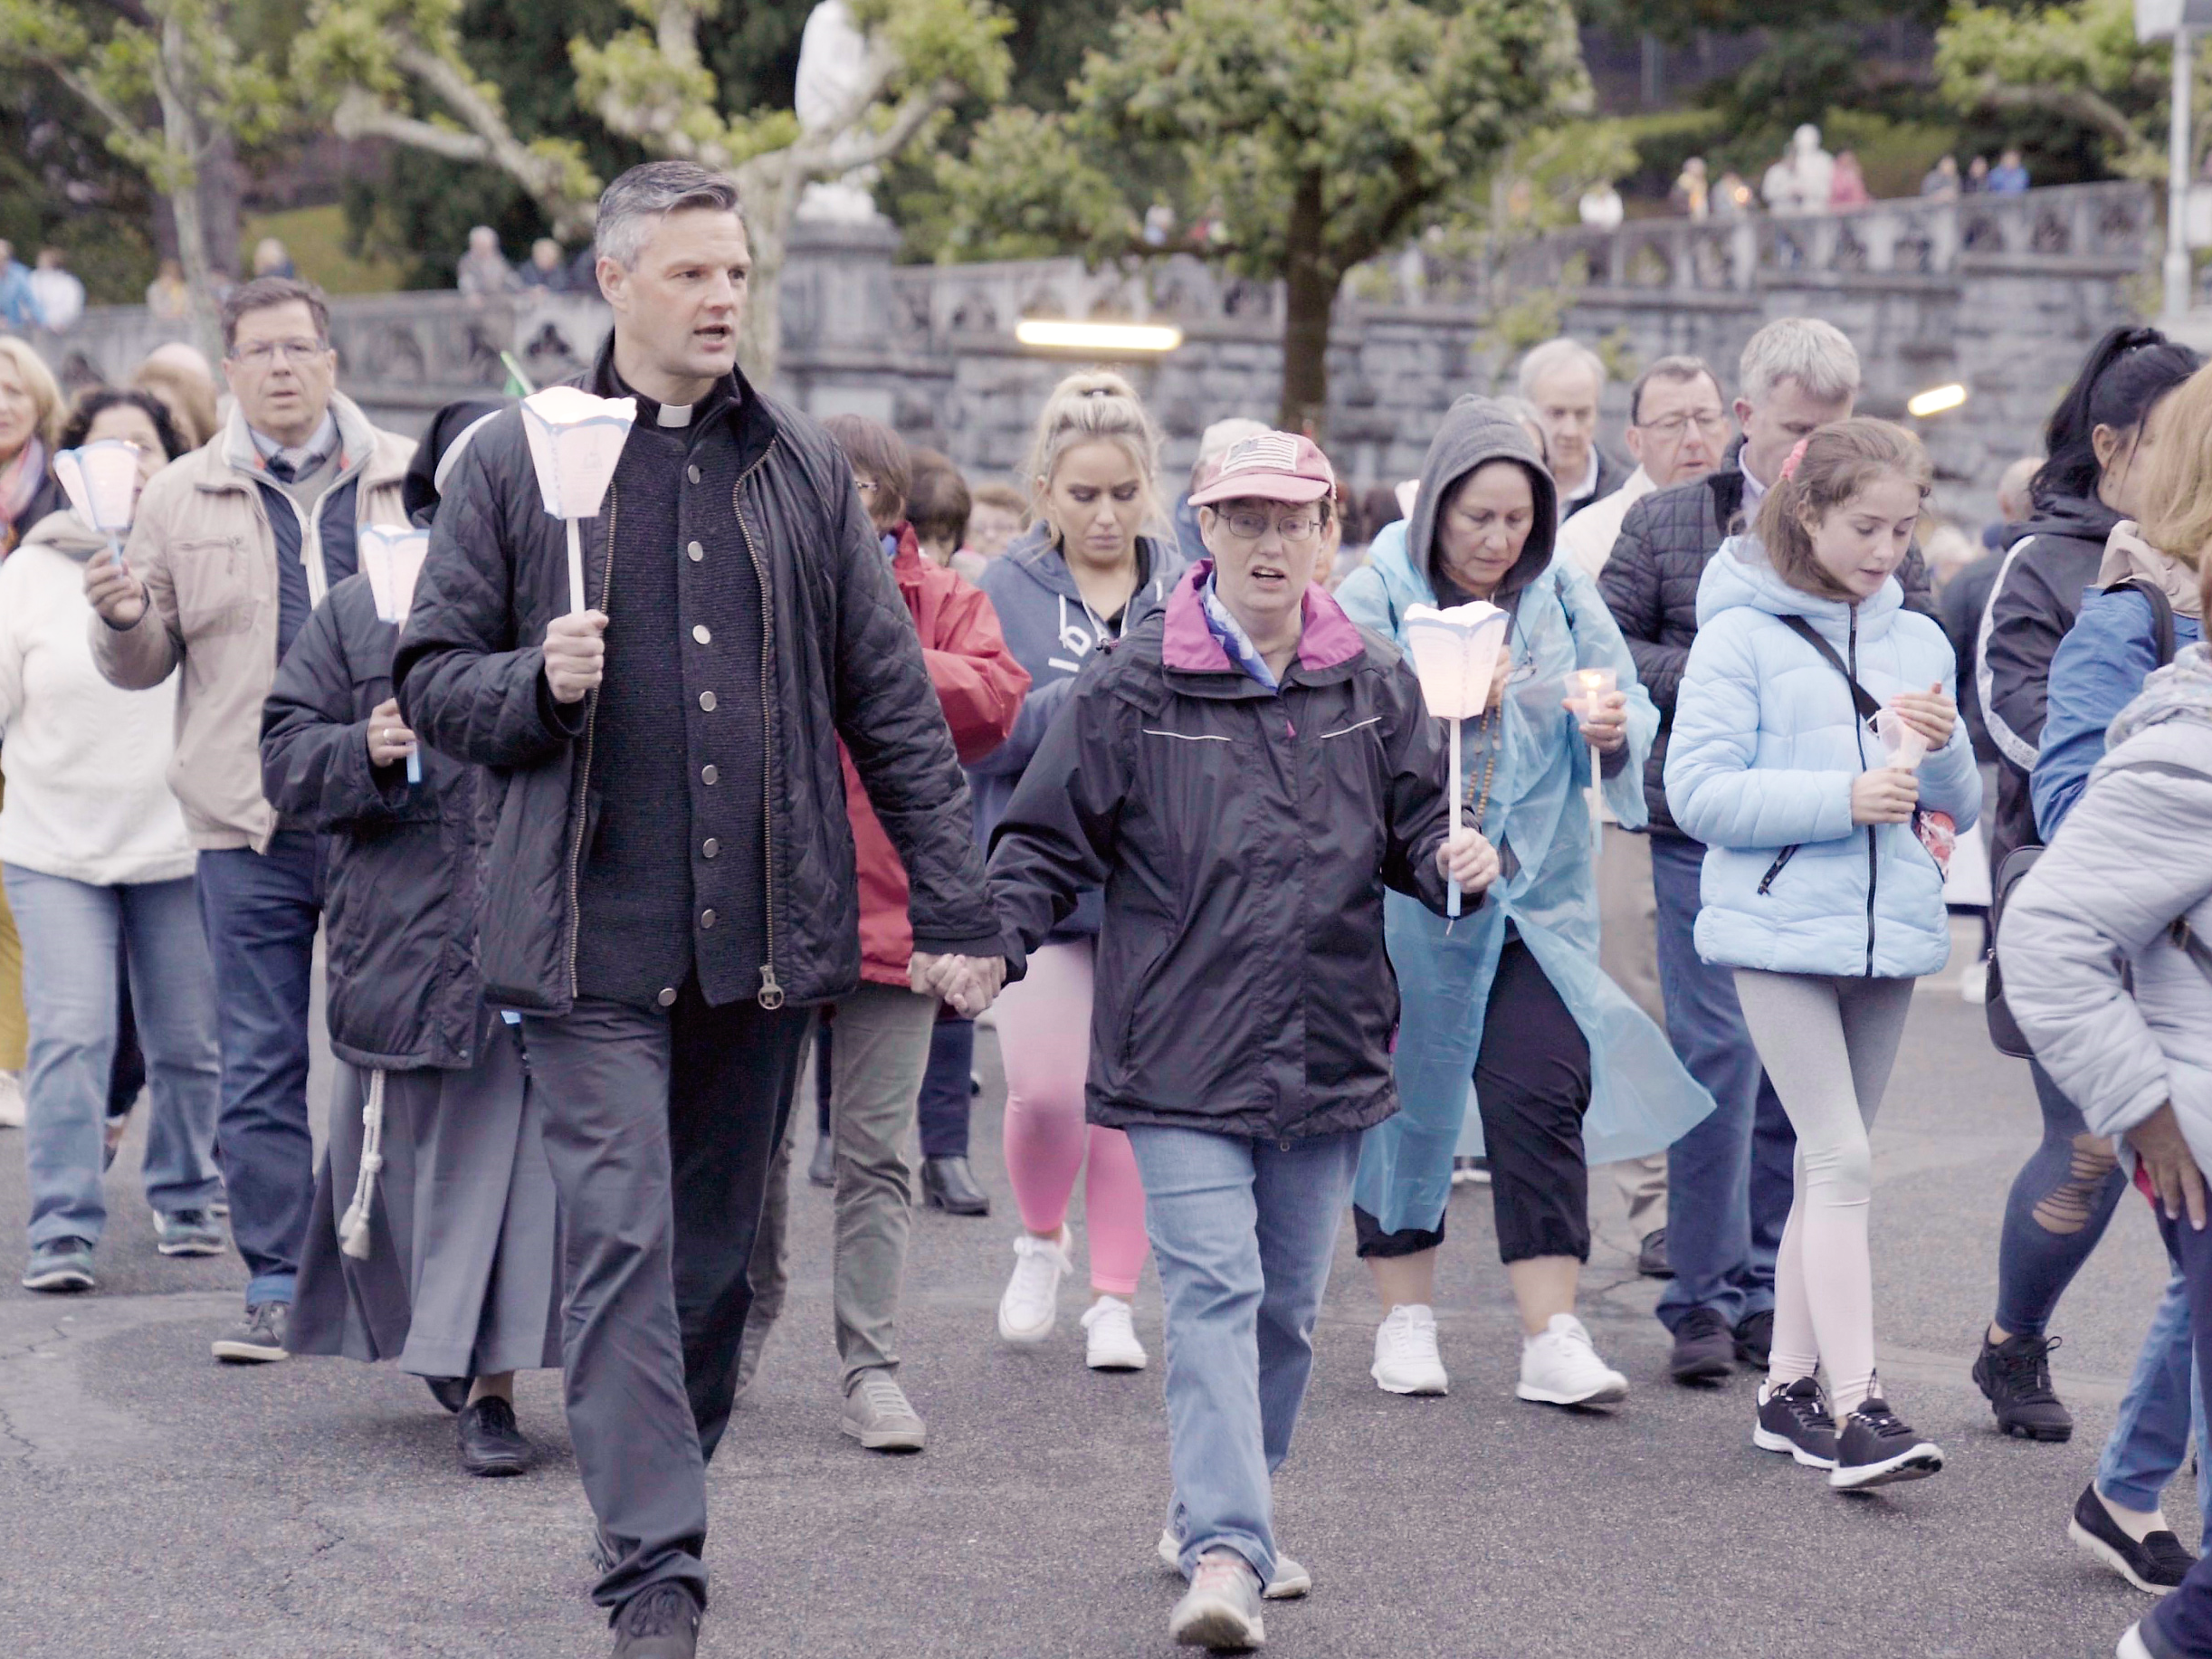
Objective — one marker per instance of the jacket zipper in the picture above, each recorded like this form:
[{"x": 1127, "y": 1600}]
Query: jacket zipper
[
  {"x": 771, "y": 994},
  {"x": 583, "y": 799},
  {"x": 1775, "y": 869},
  {"x": 1873, "y": 853}
]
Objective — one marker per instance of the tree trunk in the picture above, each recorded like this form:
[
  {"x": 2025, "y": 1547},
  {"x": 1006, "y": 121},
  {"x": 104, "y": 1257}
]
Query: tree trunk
[
  {"x": 180, "y": 182},
  {"x": 1310, "y": 285},
  {"x": 771, "y": 203},
  {"x": 222, "y": 185}
]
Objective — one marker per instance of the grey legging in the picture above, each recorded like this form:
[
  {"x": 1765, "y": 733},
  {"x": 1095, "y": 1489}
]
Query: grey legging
[{"x": 1829, "y": 1044}]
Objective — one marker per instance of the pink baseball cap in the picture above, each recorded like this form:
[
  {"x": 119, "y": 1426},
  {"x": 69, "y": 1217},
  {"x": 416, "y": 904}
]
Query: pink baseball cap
[{"x": 1269, "y": 466}]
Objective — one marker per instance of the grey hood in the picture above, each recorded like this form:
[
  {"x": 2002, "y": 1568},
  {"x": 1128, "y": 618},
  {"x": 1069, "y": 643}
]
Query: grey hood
[
  {"x": 65, "y": 532},
  {"x": 1476, "y": 430}
]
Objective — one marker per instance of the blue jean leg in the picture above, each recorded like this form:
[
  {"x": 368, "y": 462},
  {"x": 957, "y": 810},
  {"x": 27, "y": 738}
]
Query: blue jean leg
[
  {"x": 2180, "y": 1626},
  {"x": 75, "y": 938},
  {"x": 1730, "y": 1180},
  {"x": 1244, "y": 1232},
  {"x": 2150, "y": 1436},
  {"x": 2057, "y": 1213},
  {"x": 947, "y": 1092},
  {"x": 259, "y": 911}
]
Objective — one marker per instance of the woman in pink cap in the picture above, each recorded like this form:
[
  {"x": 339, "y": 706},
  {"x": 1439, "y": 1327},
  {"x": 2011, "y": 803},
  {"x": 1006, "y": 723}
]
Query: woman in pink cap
[{"x": 1244, "y": 775}]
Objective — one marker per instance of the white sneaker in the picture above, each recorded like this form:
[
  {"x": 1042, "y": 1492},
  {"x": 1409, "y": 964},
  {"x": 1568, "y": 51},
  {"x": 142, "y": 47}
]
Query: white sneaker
[
  {"x": 1290, "y": 1582},
  {"x": 1406, "y": 1357},
  {"x": 11, "y": 1099},
  {"x": 1031, "y": 1306},
  {"x": 1561, "y": 1367},
  {"x": 1113, "y": 1345},
  {"x": 2131, "y": 1645}
]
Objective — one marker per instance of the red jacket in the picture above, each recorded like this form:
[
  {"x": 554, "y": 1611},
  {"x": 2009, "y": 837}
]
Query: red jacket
[{"x": 980, "y": 688}]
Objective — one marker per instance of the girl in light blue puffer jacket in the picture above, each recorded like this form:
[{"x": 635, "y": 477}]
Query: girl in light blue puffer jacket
[{"x": 1820, "y": 888}]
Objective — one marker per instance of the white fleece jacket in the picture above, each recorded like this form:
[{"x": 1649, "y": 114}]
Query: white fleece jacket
[{"x": 88, "y": 796}]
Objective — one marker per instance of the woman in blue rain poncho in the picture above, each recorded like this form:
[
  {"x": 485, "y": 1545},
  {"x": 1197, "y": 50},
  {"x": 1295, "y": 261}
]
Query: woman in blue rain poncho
[{"x": 1579, "y": 1075}]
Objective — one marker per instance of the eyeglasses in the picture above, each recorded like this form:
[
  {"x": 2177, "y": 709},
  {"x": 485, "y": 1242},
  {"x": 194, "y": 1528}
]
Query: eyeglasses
[
  {"x": 1713, "y": 424},
  {"x": 867, "y": 486},
  {"x": 1252, "y": 525},
  {"x": 263, "y": 353}
]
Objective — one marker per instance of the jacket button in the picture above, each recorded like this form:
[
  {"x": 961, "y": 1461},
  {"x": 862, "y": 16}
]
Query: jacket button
[
  {"x": 707, "y": 773},
  {"x": 696, "y": 551},
  {"x": 700, "y": 634},
  {"x": 709, "y": 848},
  {"x": 692, "y": 473},
  {"x": 706, "y": 702},
  {"x": 706, "y": 919},
  {"x": 667, "y": 999}
]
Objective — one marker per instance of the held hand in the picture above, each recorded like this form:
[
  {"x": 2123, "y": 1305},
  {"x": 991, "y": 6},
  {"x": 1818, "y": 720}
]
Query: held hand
[
  {"x": 390, "y": 740},
  {"x": 1932, "y": 713},
  {"x": 575, "y": 655},
  {"x": 118, "y": 595},
  {"x": 1884, "y": 795},
  {"x": 2158, "y": 1140},
  {"x": 967, "y": 984},
  {"x": 1468, "y": 860},
  {"x": 1607, "y": 729}
]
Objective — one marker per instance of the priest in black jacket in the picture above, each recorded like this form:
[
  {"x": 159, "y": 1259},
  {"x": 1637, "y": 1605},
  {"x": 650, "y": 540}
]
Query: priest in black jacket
[{"x": 667, "y": 882}]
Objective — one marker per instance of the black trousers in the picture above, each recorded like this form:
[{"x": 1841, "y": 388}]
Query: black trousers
[
  {"x": 660, "y": 1125},
  {"x": 1532, "y": 1084}
]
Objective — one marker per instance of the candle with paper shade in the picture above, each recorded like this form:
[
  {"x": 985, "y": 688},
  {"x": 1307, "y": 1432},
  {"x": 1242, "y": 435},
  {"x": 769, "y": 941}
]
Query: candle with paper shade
[
  {"x": 1592, "y": 687},
  {"x": 1454, "y": 654},
  {"x": 575, "y": 443},
  {"x": 101, "y": 481},
  {"x": 392, "y": 559}
]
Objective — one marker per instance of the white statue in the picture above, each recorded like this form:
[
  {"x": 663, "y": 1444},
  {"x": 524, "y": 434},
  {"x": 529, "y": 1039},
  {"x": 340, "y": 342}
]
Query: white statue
[{"x": 832, "y": 72}]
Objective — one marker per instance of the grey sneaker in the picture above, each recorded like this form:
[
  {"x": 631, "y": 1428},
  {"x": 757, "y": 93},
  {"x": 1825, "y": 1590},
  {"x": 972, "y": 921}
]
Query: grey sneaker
[
  {"x": 878, "y": 1415},
  {"x": 1222, "y": 1607},
  {"x": 59, "y": 1265},
  {"x": 1291, "y": 1580},
  {"x": 259, "y": 1339},
  {"x": 187, "y": 1232}
]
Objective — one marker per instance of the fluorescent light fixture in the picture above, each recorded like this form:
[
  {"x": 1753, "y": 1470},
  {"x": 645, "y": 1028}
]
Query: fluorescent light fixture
[
  {"x": 1936, "y": 400},
  {"x": 1098, "y": 335}
]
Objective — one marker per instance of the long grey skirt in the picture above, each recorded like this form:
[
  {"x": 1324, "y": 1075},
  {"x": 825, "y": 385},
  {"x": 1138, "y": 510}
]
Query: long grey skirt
[{"x": 462, "y": 1277}]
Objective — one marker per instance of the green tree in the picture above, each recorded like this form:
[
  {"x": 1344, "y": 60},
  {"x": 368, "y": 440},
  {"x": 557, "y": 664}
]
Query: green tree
[
  {"x": 169, "y": 83},
  {"x": 1309, "y": 136}
]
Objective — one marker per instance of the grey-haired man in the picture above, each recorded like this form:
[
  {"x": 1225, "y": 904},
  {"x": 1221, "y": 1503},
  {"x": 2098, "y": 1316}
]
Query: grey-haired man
[{"x": 671, "y": 884}]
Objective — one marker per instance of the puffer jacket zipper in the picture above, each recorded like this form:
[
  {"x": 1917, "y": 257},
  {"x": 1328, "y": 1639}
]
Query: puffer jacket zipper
[
  {"x": 770, "y": 996},
  {"x": 583, "y": 796},
  {"x": 1874, "y": 850}
]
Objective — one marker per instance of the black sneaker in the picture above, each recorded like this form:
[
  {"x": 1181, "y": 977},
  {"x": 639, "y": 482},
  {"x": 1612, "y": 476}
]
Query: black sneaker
[
  {"x": 1755, "y": 1339},
  {"x": 490, "y": 1443},
  {"x": 1651, "y": 1259},
  {"x": 1796, "y": 1420},
  {"x": 1876, "y": 1449},
  {"x": 2015, "y": 1376},
  {"x": 59, "y": 1265},
  {"x": 2156, "y": 1564},
  {"x": 260, "y": 1340},
  {"x": 1704, "y": 1347},
  {"x": 660, "y": 1622}
]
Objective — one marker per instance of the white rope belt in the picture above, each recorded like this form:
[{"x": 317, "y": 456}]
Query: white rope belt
[{"x": 353, "y": 1235}]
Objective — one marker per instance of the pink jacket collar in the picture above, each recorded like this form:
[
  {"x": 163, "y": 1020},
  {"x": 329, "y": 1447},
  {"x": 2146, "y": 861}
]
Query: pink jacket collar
[{"x": 1327, "y": 636}]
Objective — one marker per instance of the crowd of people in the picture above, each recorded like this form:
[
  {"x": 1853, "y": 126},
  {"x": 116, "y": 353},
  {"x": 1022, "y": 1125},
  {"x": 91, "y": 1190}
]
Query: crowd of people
[
  {"x": 1807, "y": 179},
  {"x": 834, "y": 752}
]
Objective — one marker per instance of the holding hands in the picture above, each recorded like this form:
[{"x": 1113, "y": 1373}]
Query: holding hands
[
  {"x": 1606, "y": 730},
  {"x": 118, "y": 595},
  {"x": 1468, "y": 860},
  {"x": 575, "y": 654},
  {"x": 967, "y": 984}
]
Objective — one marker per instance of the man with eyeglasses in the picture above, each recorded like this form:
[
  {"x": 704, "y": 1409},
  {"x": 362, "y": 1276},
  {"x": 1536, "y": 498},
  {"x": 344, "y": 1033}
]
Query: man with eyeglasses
[{"x": 234, "y": 545}]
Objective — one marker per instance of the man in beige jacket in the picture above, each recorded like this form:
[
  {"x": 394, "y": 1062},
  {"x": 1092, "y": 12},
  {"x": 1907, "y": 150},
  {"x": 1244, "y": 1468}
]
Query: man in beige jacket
[{"x": 235, "y": 544}]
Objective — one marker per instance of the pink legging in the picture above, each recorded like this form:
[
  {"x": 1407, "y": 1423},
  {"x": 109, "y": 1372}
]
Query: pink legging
[{"x": 1045, "y": 1042}]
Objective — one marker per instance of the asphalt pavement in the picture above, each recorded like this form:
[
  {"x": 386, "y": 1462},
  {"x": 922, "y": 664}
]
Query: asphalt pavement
[{"x": 156, "y": 1506}]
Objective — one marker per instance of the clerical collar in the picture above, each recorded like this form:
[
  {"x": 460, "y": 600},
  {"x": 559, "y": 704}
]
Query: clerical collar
[{"x": 673, "y": 417}]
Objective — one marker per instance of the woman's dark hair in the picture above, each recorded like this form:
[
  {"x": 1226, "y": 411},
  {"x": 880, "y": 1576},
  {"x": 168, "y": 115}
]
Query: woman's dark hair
[
  {"x": 2126, "y": 373},
  {"x": 873, "y": 448},
  {"x": 936, "y": 502},
  {"x": 89, "y": 405}
]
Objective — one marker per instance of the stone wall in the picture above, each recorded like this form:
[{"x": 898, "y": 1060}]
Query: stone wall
[{"x": 2004, "y": 295}]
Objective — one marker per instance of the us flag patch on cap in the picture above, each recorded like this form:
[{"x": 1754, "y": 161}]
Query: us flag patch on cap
[{"x": 1266, "y": 451}]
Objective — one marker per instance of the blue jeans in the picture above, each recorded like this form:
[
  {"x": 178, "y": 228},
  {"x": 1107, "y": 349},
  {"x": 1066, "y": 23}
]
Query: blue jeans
[
  {"x": 2180, "y": 1626},
  {"x": 260, "y": 911},
  {"x": 2150, "y": 1440},
  {"x": 948, "y": 1090},
  {"x": 74, "y": 935},
  {"x": 1242, "y": 1232},
  {"x": 1730, "y": 1180}
]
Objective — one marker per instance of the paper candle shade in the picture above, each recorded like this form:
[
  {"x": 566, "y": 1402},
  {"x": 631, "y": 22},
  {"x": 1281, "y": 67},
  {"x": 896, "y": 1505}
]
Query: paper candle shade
[
  {"x": 1904, "y": 747},
  {"x": 392, "y": 559},
  {"x": 575, "y": 443},
  {"x": 101, "y": 481},
  {"x": 1454, "y": 653}
]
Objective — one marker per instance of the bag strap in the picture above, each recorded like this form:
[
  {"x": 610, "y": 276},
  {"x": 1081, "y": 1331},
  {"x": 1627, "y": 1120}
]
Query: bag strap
[
  {"x": 1862, "y": 700},
  {"x": 2161, "y": 612},
  {"x": 2186, "y": 941}
]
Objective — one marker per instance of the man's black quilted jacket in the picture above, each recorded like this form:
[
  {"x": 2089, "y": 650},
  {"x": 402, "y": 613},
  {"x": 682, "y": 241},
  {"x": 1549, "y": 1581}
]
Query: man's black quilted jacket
[
  {"x": 841, "y": 660},
  {"x": 1651, "y": 580}
]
